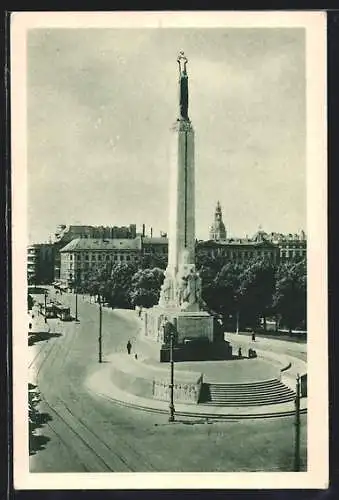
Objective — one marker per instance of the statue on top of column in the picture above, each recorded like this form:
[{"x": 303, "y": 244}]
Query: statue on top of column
[{"x": 183, "y": 86}]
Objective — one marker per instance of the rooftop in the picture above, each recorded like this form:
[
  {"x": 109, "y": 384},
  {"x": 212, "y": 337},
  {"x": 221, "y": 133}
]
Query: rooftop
[
  {"x": 79, "y": 244},
  {"x": 235, "y": 242}
]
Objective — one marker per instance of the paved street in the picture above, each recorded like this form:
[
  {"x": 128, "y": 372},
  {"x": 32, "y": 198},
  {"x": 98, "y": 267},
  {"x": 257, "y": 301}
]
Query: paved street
[
  {"x": 82, "y": 426},
  {"x": 86, "y": 433}
]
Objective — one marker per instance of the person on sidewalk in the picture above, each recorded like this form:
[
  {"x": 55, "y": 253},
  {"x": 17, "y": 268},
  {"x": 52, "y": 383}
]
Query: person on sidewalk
[
  {"x": 129, "y": 347},
  {"x": 253, "y": 336}
]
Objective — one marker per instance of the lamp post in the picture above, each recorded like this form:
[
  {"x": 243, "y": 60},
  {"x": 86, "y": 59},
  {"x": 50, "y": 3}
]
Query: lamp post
[
  {"x": 171, "y": 405},
  {"x": 76, "y": 307},
  {"x": 100, "y": 330},
  {"x": 45, "y": 294},
  {"x": 297, "y": 427}
]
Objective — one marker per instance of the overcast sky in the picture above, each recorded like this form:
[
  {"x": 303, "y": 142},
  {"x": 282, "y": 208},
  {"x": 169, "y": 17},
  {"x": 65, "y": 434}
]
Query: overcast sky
[{"x": 100, "y": 106}]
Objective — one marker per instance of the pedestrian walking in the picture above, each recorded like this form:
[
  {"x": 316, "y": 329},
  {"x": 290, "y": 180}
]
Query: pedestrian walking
[
  {"x": 239, "y": 353},
  {"x": 129, "y": 347},
  {"x": 253, "y": 336},
  {"x": 135, "y": 356}
]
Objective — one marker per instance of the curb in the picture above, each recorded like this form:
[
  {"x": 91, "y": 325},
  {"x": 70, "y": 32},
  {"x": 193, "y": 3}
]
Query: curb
[
  {"x": 187, "y": 413},
  {"x": 207, "y": 416}
]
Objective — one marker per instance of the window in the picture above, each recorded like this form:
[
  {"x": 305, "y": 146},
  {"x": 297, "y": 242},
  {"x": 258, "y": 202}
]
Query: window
[
  {"x": 99, "y": 257},
  {"x": 107, "y": 257},
  {"x": 71, "y": 257},
  {"x": 128, "y": 257},
  {"x": 86, "y": 256}
]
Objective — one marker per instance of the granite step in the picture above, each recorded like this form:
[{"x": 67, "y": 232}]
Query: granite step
[{"x": 252, "y": 394}]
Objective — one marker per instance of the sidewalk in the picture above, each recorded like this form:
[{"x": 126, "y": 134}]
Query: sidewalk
[{"x": 38, "y": 322}]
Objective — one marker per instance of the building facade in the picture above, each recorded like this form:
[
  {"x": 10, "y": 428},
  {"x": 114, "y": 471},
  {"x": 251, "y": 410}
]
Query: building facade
[
  {"x": 232, "y": 249},
  {"x": 84, "y": 255},
  {"x": 291, "y": 246},
  {"x": 154, "y": 246},
  {"x": 40, "y": 263},
  {"x": 65, "y": 234},
  {"x": 239, "y": 250}
]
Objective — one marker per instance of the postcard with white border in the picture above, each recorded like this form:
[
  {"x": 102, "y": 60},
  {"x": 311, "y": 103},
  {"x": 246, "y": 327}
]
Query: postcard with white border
[{"x": 169, "y": 248}]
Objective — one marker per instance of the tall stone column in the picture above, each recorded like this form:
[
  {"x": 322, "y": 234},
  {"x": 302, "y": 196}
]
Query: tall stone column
[
  {"x": 182, "y": 286},
  {"x": 182, "y": 202}
]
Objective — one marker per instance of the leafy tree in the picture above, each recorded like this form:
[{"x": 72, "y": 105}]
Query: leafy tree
[
  {"x": 119, "y": 285},
  {"x": 151, "y": 261},
  {"x": 257, "y": 284},
  {"x": 289, "y": 299},
  {"x": 145, "y": 287},
  {"x": 226, "y": 291}
]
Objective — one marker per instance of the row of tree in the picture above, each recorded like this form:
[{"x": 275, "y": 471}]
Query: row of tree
[
  {"x": 247, "y": 294},
  {"x": 244, "y": 295}
]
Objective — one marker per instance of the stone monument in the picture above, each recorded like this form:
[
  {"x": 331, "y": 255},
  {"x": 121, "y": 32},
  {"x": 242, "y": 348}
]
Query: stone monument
[{"x": 180, "y": 296}]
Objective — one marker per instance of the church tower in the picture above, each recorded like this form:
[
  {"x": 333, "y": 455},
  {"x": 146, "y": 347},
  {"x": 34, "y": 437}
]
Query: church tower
[{"x": 217, "y": 230}]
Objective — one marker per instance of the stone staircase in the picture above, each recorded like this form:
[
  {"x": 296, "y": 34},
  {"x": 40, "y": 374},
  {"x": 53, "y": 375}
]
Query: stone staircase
[{"x": 268, "y": 392}]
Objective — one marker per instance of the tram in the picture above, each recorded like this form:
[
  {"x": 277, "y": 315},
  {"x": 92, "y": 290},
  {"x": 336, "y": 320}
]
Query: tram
[
  {"x": 63, "y": 312},
  {"x": 49, "y": 311}
]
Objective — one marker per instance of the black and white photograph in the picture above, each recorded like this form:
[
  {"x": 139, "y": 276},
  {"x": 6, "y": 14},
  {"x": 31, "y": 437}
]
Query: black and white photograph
[{"x": 169, "y": 250}]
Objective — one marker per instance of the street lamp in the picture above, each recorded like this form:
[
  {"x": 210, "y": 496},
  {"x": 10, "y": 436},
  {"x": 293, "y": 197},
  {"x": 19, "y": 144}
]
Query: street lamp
[
  {"x": 169, "y": 334},
  {"x": 297, "y": 426},
  {"x": 45, "y": 294},
  {"x": 76, "y": 306},
  {"x": 100, "y": 331},
  {"x": 76, "y": 298}
]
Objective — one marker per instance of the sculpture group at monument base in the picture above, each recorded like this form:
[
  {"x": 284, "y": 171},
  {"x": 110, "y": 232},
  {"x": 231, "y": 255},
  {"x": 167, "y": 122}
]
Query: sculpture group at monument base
[{"x": 194, "y": 338}]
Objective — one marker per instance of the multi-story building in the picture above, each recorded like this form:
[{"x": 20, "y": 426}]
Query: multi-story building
[
  {"x": 239, "y": 250},
  {"x": 65, "y": 234},
  {"x": 151, "y": 246},
  {"x": 291, "y": 246},
  {"x": 84, "y": 255},
  {"x": 234, "y": 249},
  {"x": 32, "y": 259},
  {"x": 40, "y": 263}
]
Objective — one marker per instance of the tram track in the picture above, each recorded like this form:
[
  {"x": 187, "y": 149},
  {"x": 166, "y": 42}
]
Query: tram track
[
  {"x": 94, "y": 437},
  {"x": 122, "y": 444}
]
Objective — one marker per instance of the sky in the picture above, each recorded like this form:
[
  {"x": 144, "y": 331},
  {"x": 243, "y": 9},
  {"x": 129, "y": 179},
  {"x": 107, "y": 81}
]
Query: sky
[{"x": 100, "y": 105}]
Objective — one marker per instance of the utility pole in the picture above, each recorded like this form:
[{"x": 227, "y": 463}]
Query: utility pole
[
  {"x": 297, "y": 427},
  {"x": 100, "y": 330},
  {"x": 76, "y": 303},
  {"x": 171, "y": 405},
  {"x": 45, "y": 306}
]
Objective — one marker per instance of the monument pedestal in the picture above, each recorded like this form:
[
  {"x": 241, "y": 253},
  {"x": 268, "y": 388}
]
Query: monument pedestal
[
  {"x": 194, "y": 335},
  {"x": 189, "y": 325}
]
